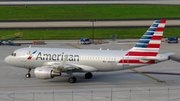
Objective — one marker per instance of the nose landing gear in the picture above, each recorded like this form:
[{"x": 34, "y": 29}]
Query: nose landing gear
[{"x": 28, "y": 75}]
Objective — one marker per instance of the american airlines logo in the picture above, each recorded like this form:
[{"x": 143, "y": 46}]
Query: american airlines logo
[
  {"x": 31, "y": 55},
  {"x": 56, "y": 57}
]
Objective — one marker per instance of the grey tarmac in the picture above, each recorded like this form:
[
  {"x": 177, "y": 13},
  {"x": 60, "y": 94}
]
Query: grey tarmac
[
  {"x": 89, "y": 2},
  {"x": 81, "y": 24},
  {"x": 13, "y": 80}
]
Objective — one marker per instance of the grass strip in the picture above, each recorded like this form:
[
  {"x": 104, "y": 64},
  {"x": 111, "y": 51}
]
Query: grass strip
[
  {"x": 86, "y": 12},
  {"x": 85, "y": 33}
]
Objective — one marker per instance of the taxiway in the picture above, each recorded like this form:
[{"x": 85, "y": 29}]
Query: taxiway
[{"x": 12, "y": 79}]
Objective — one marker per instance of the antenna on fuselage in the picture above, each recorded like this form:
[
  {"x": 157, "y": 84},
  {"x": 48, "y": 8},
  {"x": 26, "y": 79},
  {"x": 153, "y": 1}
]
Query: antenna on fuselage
[
  {"x": 100, "y": 48},
  {"x": 30, "y": 46}
]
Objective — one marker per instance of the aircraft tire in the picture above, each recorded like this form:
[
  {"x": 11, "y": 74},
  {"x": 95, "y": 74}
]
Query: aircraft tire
[
  {"x": 72, "y": 80},
  {"x": 28, "y": 75},
  {"x": 88, "y": 75}
]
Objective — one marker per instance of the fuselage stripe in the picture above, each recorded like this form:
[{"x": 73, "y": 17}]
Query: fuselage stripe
[
  {"x": 136, "y": 61},
  {"x": 142, "y": 53}
]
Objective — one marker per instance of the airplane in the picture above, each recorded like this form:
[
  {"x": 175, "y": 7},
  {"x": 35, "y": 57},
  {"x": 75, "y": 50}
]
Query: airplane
[{"x": 51, "y": 62}]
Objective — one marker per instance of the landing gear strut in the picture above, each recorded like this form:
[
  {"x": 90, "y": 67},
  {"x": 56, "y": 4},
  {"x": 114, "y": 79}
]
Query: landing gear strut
[
  {"x": 72, "y": 79},
  {"x": 88, "y": 75},
  {"x": 28, "y": 75}
]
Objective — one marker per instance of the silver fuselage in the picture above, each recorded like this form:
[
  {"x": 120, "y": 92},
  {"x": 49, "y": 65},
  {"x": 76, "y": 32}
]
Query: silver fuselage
[{"x": 102, "y": 60}]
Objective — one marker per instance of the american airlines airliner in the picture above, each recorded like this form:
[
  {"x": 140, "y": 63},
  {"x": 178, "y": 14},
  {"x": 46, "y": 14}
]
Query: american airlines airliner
[{"x": 51, "y": 62}]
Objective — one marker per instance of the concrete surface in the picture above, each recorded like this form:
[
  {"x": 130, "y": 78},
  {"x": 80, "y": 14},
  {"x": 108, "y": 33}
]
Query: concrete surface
[
  {"x": 15, "y": 87},
  {"x": 52, "y": 24},
  {"x": 85, "y": 2}
]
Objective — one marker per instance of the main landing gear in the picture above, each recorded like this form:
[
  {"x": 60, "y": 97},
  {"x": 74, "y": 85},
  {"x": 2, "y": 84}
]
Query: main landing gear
[
  {"x": 28, "y": 75},
  {"x": 73, "y": 79},
  {"x": 88, "y": 75}
]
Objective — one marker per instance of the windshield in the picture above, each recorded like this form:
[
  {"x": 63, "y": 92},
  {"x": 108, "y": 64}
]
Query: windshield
[{"x": 13, "y": 54}]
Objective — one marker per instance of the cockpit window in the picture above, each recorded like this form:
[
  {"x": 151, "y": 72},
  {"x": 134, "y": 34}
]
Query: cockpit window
[{"x": 13, "y": 54}]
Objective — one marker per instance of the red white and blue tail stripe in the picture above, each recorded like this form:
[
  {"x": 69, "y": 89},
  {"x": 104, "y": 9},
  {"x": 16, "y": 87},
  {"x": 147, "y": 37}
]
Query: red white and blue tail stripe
[
  {"x": 147, "y": 46},
  {"x": 149, "y": 43}
]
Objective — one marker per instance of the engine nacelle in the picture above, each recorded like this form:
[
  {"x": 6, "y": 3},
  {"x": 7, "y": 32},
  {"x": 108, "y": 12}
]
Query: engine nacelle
[{"x": 45, "y": 73}]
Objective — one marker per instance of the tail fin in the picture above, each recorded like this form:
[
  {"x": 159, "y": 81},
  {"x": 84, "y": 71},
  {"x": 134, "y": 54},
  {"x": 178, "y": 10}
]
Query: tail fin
[{"x": 149, "y": 43}]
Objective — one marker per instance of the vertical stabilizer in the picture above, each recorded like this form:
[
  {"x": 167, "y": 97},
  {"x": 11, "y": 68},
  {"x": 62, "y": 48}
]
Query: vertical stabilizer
[
  {"x": 146, "y": 49},
  {"x": 149, "y": 43}
]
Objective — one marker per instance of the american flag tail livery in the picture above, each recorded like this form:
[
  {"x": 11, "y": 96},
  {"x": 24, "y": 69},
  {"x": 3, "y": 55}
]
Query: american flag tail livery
[{"x": 146, "y": 49}]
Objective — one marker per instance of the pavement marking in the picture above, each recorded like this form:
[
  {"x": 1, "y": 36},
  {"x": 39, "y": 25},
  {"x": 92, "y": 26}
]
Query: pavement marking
[
  {"x": 159, "y": 73},
  {"x": 72, "y": 45},
  {"x": 148, "y": 76}
]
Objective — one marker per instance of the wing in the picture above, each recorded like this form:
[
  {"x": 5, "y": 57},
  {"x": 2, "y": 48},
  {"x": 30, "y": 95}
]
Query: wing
[
  {"x": 79, "y": 68},
  {"x": 63, "y": 66}
]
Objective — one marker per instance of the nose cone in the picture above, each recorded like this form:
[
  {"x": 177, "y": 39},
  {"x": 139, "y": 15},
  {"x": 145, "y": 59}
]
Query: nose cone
[{"x": 7, "y": 60}]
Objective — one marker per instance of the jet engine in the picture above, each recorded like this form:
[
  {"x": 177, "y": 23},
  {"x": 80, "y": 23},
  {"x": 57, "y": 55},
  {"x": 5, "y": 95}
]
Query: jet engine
[{"x": 45, "y": 73}]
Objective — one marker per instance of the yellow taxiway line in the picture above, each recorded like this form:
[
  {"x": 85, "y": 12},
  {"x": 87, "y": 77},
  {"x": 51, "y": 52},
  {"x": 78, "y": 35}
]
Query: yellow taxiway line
[
  {"x": 148, "y": 76},
  {"x": 73, "y": 46}
]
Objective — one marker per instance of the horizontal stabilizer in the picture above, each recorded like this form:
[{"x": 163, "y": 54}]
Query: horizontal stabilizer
[
  {"x": 159, "y": 57},
  {"x": 168, "y": 54}
]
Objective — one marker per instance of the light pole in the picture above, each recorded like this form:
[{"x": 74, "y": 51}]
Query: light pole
[{"x": 93, "y": 20}]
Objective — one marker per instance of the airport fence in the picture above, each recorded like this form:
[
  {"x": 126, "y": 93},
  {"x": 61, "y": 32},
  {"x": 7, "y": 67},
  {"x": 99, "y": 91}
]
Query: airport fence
[{"x": 96, "y": 95}]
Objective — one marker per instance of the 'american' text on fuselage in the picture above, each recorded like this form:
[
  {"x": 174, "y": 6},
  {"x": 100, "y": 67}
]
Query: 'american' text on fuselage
[{"x": 57, "y": 57}]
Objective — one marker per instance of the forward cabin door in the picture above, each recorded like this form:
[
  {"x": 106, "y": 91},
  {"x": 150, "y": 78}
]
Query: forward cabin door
[{"x": 24, "y": 55}]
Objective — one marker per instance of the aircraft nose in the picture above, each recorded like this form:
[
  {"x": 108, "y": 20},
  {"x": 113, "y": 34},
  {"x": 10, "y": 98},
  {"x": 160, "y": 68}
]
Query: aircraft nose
[{"x": 7, "y": 60}]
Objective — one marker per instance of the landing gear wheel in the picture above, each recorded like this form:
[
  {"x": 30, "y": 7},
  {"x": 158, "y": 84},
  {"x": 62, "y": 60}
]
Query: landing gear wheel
[
  {"x": 72, "y": 79},
  {"x": 28, "y": 75},
  {"x": 88, "y": 75}
]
